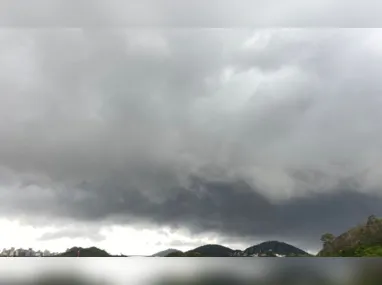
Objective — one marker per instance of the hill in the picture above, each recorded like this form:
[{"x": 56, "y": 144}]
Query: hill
[
  {"x": 166, "y": 252},
  {"x": 211, "y": 250},
  {"x": 361, "y": 241},
  {"x": 85, "y": 252},
  {"x": 265, "y": 249},
  {"x": 275, "y": 247}
]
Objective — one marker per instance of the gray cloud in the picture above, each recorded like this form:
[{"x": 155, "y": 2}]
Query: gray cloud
[
  {"x": 180, "y": 244},
  {"x": 140, "y": 127},
  {"x": 74, "y": 232},
  {"x": 196, "y": 14}
]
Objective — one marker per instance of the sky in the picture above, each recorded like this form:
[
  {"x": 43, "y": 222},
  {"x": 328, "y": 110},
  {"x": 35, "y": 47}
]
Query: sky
[{"x": 177, "y": 133}]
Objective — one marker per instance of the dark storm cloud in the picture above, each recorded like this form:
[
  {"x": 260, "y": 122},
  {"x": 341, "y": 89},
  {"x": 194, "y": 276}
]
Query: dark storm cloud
[
  {"x": 227, "y": 209},
  {"x": 140, "y": 126}
]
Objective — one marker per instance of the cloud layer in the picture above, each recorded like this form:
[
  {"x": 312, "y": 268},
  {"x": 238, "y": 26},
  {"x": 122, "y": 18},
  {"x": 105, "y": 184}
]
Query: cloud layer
[
  {"x": 244, "y": 133},
  {"x": 195, "y": 14}
]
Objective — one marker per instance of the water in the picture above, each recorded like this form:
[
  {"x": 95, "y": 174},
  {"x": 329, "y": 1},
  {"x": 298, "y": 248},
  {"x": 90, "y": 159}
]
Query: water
[{"x": 158, "y": 271}]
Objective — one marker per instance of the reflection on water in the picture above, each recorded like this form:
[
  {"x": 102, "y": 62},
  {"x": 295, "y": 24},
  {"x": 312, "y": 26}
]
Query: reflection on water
[{"x": 167, "y": 271}]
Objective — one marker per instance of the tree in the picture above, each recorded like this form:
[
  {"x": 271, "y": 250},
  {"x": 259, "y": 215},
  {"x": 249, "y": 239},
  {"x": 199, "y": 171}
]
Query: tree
[
  {"x": 176, "y": 254},
  {"x": 371, "y": 220},
  {"x": 327, "y": 238},
  {"x": 193, "y": 254}
]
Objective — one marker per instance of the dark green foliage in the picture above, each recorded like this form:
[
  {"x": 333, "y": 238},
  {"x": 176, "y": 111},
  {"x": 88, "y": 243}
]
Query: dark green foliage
[
  {"x": 372, "y": 220},
  {"x": 165, "y": 253},
  {"x": 361, "y": 241},
  {"x": 281, "y": 248},
  {"x": 176, "y": 254},
  {"x": 85, "y": 252},
  {"x": 184, "y": 254},
  {"x": 327, "y": 238},
  {"x": 193, "y": 254},
  {"x": 211, "y": 250}
]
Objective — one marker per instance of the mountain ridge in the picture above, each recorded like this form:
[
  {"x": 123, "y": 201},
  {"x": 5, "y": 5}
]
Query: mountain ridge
[
  {"x": 212, "y": 250},
  {"x": 276, "y": 247},
  {"x": 84, "y": 252},
  {"x": 166, "y": 252},
  {"x": 268, "y": 248}
]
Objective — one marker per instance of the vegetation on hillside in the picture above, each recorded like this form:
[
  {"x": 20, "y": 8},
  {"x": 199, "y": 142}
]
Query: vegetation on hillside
[
  {"x": 166, "y": 252},
  {"x": 266, "y": 249},
  {"x": 184, "y": 254},
  {"x": 85, "y": 252},
  {"x": 211, "y": 250},
  {"x": 280, "y": 248},
  {"x": 361, "y": 241}
]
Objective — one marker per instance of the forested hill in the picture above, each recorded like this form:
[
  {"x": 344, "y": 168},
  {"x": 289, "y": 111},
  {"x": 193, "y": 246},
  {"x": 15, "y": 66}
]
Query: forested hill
[
  {"x": 275, "y": 247},
  {"x": 85, "y": 252},
  {"x": 360, "y": 241}
]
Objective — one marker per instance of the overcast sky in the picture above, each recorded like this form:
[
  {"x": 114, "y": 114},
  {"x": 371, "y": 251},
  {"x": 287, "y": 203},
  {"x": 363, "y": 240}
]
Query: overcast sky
[{"x": 137, "y": 139}]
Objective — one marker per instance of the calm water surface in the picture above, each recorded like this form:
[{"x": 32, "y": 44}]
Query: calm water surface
[{"x": 143, "y": 270}]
